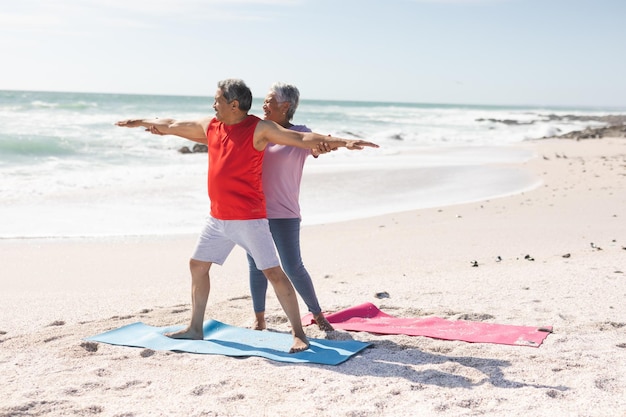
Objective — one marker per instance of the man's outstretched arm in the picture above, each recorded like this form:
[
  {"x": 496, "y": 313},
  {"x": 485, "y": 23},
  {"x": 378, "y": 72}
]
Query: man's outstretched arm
[{"x": 194, "y": 130}]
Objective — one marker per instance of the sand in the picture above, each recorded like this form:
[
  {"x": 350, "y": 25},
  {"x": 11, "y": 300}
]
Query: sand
[{"x": 553, "y": 256}]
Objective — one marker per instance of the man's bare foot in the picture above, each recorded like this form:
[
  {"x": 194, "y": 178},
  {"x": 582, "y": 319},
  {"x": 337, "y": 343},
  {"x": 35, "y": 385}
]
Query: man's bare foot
[
  {"x": 322, "y": 323},
  {"x": 300, "y": 344},
  {"x": 186, "y": 334},
  {"x": 259, "y": 321}
]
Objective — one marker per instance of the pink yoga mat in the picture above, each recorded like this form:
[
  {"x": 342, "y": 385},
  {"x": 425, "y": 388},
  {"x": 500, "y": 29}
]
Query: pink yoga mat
[{"x": 368, "y": 318}]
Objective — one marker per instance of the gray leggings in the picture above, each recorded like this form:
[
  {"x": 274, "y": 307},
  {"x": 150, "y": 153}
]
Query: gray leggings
[{"x": 286, "y": 235}]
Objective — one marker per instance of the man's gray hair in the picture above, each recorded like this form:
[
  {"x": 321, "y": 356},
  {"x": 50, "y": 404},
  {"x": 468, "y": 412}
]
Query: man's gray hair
[
  {"x": 286, "y": 93},
  {"x": 235, "y": 89}
]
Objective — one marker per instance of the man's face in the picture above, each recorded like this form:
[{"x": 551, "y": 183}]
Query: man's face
[{"x": 220, "y": 105}]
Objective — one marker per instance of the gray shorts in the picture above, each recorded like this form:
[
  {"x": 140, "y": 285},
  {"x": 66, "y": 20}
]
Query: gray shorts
[{"x": 219, "y": 237}]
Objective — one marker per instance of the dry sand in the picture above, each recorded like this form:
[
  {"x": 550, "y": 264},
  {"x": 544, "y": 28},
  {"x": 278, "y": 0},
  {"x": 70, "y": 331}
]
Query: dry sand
[{"x": 562, "y": 262}]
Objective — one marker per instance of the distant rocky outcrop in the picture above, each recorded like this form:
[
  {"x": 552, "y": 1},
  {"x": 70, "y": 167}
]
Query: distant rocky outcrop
[
  {"x": 615, "y": 125},
  {"x": 197, "y": 148},
  {"x": 616, "y": 131},
  {"x": 507, "y": 121},
  {"x": 611, "y": 119}
]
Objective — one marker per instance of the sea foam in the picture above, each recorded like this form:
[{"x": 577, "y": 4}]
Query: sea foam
[{"x": 67, "y": 170}]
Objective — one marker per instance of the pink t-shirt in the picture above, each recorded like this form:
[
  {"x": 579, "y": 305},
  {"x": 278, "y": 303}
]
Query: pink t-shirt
[{"x": 282, "y": 174}]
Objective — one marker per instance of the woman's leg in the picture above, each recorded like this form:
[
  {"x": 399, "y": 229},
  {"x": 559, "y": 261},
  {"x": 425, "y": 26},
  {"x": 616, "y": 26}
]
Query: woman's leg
[
  {"x": 286, "y": 234},
  {"x": 258, "y": 290}
]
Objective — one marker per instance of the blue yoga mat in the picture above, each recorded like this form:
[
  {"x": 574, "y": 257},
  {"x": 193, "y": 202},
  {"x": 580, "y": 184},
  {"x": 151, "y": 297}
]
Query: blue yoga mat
[{"x": 223, "y": 339}]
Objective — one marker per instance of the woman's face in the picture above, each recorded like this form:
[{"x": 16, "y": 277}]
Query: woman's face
[{"x": 272, "y": 110}]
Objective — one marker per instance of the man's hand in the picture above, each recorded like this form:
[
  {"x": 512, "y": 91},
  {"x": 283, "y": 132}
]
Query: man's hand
[
  {"x": 322, "y": 148},
  {"x": 153, "y": 129},
  {"x": 194, "y": 130}
]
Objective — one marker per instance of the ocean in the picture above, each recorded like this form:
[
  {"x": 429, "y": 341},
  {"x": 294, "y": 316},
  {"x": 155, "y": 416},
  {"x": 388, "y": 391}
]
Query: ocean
[{"x": 67, "y": 171}]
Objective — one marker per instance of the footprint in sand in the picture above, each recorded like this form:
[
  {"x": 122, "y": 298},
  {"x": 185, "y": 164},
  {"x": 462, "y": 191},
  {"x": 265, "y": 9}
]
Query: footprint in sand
[
  {"x": 89, "y": 346},
  {"x": 53, "y": 338},
  {"x": 92, "y": 410},
  {"x": 207, "y": 388},
  {"x": 134, "y": 384},
  {"x": 39, "y": 408},
  {"x": 128, "y": 316},
  {"x": 146, "y": 353},
  {"x": 276, "y": 319},
  {"x": 102, "y": 372},
  {"x": 470, "y": 403},
  {"x": 415, "y": 312},
  {"x": 233, "y": 398},
  {"x": 606, "y": 384},
  {"x": 552, "y": 393},
  {"x": 475, "y": 317},
  {"x": 610, "y": 325},
  {"x": 241, "y": 297}
]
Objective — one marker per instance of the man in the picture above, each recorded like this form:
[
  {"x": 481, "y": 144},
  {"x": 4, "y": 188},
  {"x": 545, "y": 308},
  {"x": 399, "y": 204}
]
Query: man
[{"x": 236, "y": 141}]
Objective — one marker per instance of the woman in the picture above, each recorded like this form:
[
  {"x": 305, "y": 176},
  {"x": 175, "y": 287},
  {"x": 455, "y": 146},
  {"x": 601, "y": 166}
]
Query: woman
[{"x": 282, "y": 173}]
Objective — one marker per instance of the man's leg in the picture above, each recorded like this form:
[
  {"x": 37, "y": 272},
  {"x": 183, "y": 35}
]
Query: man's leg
[
  {"x": 212, "y": 247},
  {"x": 200, "y": 288},
  {"x": 287, "y": 298},
  {"x": 255, "y": 237}
]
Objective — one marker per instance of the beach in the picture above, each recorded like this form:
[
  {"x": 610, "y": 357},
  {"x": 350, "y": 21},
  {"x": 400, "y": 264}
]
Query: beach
[{"x": 551, "y": 256}]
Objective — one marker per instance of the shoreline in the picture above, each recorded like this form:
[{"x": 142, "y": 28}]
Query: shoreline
[
  {"x": 55, "y": 293},
  {"x": 331, "y": 193}
]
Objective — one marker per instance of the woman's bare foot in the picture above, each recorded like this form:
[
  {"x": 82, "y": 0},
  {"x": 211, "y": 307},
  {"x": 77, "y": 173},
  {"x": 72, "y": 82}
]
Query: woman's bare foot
[
  {"x": 322, "y": 323},
  {"x": 187, "y": 333},
  {"x": 259, "y": 321}
]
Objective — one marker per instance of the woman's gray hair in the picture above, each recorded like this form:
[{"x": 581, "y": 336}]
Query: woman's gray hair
[
  {"x": 286, "y": 93},
  {"x": 235, "y": 89}
]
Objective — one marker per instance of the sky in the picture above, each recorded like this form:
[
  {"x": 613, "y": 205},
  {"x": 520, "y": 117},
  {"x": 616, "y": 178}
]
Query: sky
[{"x": 515, "y": 52}]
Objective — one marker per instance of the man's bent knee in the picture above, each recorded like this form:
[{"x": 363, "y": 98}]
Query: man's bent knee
[{"x": 199, "y": 266}]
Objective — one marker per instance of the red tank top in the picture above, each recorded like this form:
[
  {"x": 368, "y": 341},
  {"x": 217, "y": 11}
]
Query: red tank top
[{"x": 235, "y": 168}]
